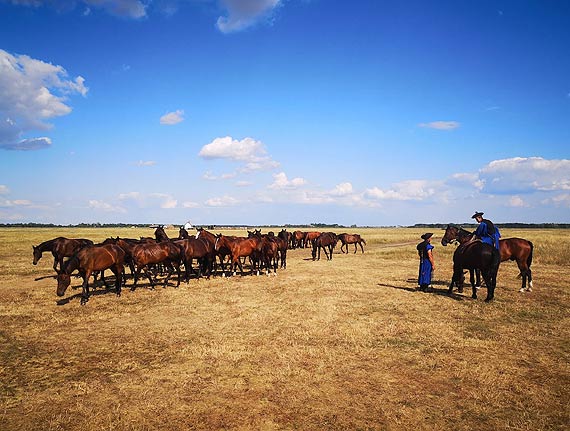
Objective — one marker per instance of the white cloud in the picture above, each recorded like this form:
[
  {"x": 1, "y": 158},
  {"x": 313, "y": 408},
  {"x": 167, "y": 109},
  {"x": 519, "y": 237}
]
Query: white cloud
[
  {"x": 562, "y": 200},
  {"x": 165, "y": 201},
  {"x": 342, "y": 189},
  {"x": 415, "y": 190},
  {"x": 224, "y": 201},
  {"x": 517, "y": 202},
  {"x": 281, "y": 182},
  {"x": 251, "y": 153},
  {"x": 105, "y": 206},
  {"x": 189, "y": 204},
  {"x": 241, "y": 14},
  {"x": 525, "y": 175},
  {"x": 145, "y": 163},
  {"x": 441, "y": 125},
  {"x": 4, "y": 190},
  {"x": 243, "y": 183},
  {"x": 172, "y": 118},
  {"x": 32, "y": 92}
]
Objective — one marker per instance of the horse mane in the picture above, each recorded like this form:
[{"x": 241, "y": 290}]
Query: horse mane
[
  {"x": 47, "y": 245},
  {"x": 70, "y": 265}
]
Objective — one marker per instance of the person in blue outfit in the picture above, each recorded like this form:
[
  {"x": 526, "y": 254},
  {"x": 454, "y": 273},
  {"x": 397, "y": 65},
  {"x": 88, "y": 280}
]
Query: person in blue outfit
[
  {"x": 486, "y": 231},
  {"x": 427, "y": 264}
]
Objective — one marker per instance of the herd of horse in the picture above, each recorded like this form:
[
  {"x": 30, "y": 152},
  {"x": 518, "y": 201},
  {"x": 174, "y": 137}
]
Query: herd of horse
[
  {"x": 266, "y": 252},
  {"x": 164, "y": 255}
]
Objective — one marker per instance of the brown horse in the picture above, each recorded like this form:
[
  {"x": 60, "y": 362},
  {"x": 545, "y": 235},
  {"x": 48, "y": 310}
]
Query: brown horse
[
  {"x": 239, "y": 247},
  {"x": 298, "y": 239},
  {"x": 160, "y": 234},
  {"x": 310, "y": 236},
  {"x": 183, "y": 233},
  {"x": 147, "y": 254},
  {"x": 270, "y": 250},
  {"x": 517, "y": 249},
  {"x": 88, "y": 260},
  {"x": 324, "y": 241},
  {"x": 60, "y": 248},
  {"x": 210, "y": 240},
  {"x": 195, "y": 249},
  {"x": 347, "y": 238}
]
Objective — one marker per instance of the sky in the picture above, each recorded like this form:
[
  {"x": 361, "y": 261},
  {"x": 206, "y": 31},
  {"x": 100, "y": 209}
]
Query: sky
[{"x": 273, "y": 112}]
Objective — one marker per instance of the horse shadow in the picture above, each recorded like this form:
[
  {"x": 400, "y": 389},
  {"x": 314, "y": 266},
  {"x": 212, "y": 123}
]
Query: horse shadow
[{"x": 434, "y": 291}]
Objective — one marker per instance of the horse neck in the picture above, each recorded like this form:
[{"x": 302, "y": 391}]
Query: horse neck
[
  {"x": 463, "y": 235},
  {"x": 46, "y": 245},
  {"x": 71, "y": 265}
]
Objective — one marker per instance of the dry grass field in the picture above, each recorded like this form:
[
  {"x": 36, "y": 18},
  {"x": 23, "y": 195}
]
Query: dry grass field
[{"x": 347, "y": 344}]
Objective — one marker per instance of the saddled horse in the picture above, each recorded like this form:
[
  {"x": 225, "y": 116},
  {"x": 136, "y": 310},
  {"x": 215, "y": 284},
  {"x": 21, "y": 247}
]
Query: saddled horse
[
  {"x": 239, "y": 247},
  {"x": 60, "y": 248},
  {"x": 476, "y": 255},
  {"x": 518, "y": 249},
  {"x": 88, "y": 260},
  {"x": 324, "y": 241},
  {"x": 147, "y": 254},
  {"x": 347, "y": 238}
]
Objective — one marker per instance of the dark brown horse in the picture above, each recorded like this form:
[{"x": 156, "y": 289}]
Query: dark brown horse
[
  {"x": 298, "y": 239},
  {"x": 148, "y": 254},
  {"x": 183, "y": 233},
  {"x": 160, "y": 234},
  {"x": 210, "y": 240},
  {"x": 324, "y": 241},
  {"x": 517, "y": 249},
  {"x": 239, "y": 247},
  {"x": 269, "y": 255},
  {"x": 88, "y": 260},
  {"x": 347, "y": 238},
  {"x": 60, "y": 248},
  {"x": 309, "y": 237},
  {"x": 196, "y": 249}
]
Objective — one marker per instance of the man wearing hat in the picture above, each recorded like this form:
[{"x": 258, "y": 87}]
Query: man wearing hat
[
  {"x": 427, "y": 265},
  {"x": 486, "y": 230}
]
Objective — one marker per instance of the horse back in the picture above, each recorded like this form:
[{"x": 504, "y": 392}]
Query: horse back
[{"x": 100, "y": 257}]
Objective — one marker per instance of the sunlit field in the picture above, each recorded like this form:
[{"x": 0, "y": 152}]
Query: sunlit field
[{"x": 342, "y": 344}]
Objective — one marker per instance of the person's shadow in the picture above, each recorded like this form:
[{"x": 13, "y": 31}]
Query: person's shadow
[{"x": 434, "y": 290}]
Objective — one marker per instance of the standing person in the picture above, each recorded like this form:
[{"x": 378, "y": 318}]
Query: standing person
[
  {"x": 427, "y": 265},
  {"x": 486, "y": 231}
]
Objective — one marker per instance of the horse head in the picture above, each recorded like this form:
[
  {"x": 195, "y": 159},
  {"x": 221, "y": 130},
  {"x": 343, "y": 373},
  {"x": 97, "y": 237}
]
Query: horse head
[
  {"x": 37, "y": 254},
  {"x": 450, "y": 235},
  {"x": 63, "y": 282}
]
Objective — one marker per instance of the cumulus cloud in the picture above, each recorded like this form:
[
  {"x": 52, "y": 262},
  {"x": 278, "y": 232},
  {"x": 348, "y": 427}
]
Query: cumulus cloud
[
  {"x": 281, "y": 182},
  {"x": 223, "y": 201},
  {"x": 4, "y": 190},
  {"x": 525, "y": 175},
  {"x": 249, "y": 152},
  {"x": 241, "y": 14},
  {"x": 412, "y": 190},
  {"x": 32, "y": 92},
  {"x": 105, "y": 206},
  {"x": 441, "y": 125},
  {"x": 172, "y": 118},
  {"x": 516, "y": 202}
]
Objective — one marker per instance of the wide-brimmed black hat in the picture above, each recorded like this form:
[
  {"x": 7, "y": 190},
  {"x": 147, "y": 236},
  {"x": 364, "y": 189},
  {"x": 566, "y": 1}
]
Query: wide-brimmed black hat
[
  {"x": 477, "y": 214},
  {"x": 426, "y": 235}
]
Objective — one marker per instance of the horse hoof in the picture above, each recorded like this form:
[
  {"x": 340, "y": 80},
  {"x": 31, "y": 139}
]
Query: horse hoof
[
  {"x": 529, "y": 289},
  {"x": 488, "y": 299},
  {"x": 522, "y": 290},
  {"x": 473, "y": 296}
]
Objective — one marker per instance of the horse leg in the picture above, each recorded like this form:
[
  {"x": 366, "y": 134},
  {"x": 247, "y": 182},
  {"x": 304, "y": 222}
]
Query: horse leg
[
  {"x": 355, "y": 248},
  {"x": 361, "y": 247},
  {"x": 490, "y": 283},
  {"x": 524, "y": 270},
  {"x": 85, "y": 293},
  {"x": 148, "y": 273},
  {"x": 118, "y": 270}
]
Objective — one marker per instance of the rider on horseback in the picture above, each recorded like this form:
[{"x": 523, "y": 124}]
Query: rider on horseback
[{"x": 486, "y": 231}]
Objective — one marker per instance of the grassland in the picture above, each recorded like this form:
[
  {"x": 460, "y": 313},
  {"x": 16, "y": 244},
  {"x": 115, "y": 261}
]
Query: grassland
[{"x": 342, "y": 344}]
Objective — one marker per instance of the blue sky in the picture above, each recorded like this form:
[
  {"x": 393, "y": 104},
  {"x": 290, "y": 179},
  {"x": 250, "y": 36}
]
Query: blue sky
[{"x": 284, "y": 111}]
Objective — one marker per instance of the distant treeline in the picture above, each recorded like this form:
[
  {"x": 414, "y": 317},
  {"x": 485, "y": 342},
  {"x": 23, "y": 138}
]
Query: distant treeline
[
  {"x": 500, "y": 225},
  {"x": 319, "y": 226}
]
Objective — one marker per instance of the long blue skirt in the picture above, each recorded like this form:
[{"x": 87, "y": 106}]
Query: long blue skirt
[{"x": 424, "y": 276}]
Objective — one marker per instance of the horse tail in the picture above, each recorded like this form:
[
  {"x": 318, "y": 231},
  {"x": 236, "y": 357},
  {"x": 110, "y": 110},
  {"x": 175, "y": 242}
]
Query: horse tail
[{"x": 529, "y": 258}]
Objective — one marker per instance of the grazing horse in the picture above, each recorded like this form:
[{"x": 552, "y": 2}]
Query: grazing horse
[
  {"x": 239, "y": 247},
  {"x": 517, "y": 249},
  {"x": 90, "y": 259},
  {"x": 60, "y": 248},
  {"x": 324, "y": 241},
  {"x": 476, "y": 255},
  {"x": 347, "y": 238},
  {"x": 146, "y": 254}
]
